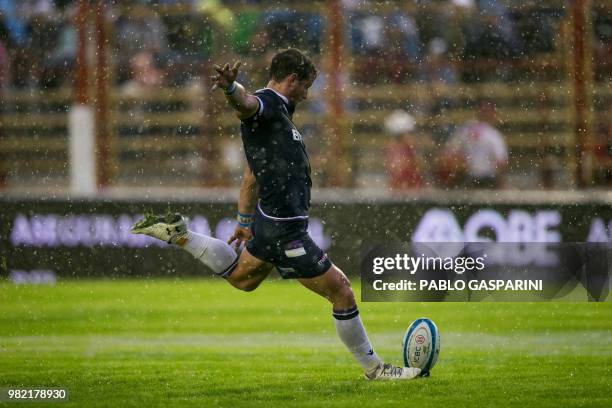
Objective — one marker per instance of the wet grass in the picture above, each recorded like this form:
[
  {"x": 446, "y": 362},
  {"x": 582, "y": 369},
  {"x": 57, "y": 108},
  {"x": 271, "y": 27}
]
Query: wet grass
[{"x": 201, "y": 343}]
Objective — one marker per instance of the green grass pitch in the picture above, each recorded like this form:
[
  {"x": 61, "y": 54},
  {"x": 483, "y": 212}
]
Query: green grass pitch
[{"x": 201, "y": 343}]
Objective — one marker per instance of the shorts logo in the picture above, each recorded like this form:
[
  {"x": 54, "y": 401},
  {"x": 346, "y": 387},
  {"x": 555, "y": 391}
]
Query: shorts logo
[
  {"x": 294, "y": 253},
  {"x": 294, "y": 249},
  {"x": 296, "y": 135},
  {"x": 322, "y": 260}
]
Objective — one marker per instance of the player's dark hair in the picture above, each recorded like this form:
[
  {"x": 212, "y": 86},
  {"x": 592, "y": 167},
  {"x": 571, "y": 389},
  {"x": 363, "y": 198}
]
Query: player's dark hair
[{"x": 292, "y": 61}]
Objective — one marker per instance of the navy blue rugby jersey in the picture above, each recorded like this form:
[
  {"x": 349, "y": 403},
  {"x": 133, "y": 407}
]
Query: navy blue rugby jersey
[{"x": 277, "y": 156}]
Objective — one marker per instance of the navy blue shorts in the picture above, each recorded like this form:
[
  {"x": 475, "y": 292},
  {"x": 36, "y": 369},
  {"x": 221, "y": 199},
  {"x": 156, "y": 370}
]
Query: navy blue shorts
[{"x": 287, "y": 246}]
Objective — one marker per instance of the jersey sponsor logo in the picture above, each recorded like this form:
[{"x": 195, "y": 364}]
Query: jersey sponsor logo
[{"x": 296, "y": 135}]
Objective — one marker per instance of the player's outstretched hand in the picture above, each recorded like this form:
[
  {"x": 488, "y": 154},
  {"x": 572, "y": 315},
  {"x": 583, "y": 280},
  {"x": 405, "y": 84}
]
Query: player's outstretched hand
[
  {"x": 226, "y": 75},
  {"x": 240, "y": 235}
]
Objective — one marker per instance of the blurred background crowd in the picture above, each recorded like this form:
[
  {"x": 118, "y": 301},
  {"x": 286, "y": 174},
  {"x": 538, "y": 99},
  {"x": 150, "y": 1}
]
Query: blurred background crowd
[{"x": 427, "y": 94}]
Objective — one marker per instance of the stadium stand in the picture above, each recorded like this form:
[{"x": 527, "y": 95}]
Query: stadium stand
[{"x": 431, "y": 59}]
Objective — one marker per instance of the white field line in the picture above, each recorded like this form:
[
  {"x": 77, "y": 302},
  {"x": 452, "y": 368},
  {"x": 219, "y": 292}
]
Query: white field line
[{"x": 577, "y": 342}]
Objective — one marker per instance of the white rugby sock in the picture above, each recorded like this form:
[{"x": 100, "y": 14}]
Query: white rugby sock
[
  {"x": 212, "y": 252},
  {"x": 352, "y": 333}
]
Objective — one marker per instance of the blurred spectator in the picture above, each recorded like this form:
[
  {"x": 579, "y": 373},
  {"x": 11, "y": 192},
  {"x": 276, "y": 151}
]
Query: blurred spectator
[
  {"x": 463, "y": 3},
  {"x": 255, "y": 73},
  {"x": 248, "y": 26},
  {"x": 221, "y": 16},
  {"x": 444, "y": 24},
  {"x": 402, "y": 33},
  {"x": 145, "y": 80},
  {"x": 190, "y": 43},
  {"x": 15, "y": 25},
  {"x": 32, "y": 29},
  {"x": 490, "y": 34},
  {"x": 4, "y": 56},
  {"x": 603, "y": 150},
  {"x": 146, "y": 76},
  {"x": 537, "y": 30},
  {"x": 36, "y": 7},
  {"x": 402, "y": 52},
  {"x": 477, "y": 153},
  {"x": 61, "y": 58},
  {"x": 166, "y": 2},
  {"x": 602, "y": 44},
  {"x": 402, "y": 158},
  {"x": 4, "y": 64},
  {"x": 39, "y": 40},
  {"x": 437, "y": 68},
  {"x": 289, "y": 28},
  {"x": 136, "y": 33},
  {"x": 389, "y": 43},
  {"x": 367, "y": 33}
]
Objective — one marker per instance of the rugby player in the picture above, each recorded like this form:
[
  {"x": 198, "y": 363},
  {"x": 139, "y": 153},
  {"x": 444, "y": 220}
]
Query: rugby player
[{"x": 273, "y": 207}]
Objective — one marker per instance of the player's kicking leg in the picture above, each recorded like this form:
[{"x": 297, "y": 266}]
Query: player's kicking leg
[
  {"x": 335, "y": 286},
  {"x": 244, "y": 272}
]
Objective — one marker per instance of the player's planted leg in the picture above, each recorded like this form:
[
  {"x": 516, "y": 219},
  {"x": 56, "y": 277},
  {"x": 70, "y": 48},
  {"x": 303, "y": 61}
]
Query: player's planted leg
[
  {"x": 212, "y": 252},
  {"x": 334, "y": 286}
]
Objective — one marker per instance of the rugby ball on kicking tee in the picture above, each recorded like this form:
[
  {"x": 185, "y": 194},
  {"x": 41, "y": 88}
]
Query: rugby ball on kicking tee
[{"x": 421, "y": 345}]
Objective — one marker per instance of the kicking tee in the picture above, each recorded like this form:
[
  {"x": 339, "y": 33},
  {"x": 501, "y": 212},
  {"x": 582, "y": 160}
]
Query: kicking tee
[{"x": 277, "y": 157}]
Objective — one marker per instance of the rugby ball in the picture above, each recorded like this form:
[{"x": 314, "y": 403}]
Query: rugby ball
[{"x": 421, "y": 345}]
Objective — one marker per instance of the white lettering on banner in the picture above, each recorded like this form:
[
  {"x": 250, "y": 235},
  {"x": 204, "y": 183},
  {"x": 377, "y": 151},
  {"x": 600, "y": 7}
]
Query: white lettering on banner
[
  {"x": 21, "y": 234},
  {"x": 438, "y": 225},
  {"x": 315, "y": 230},
  {"x": 225, "y": 228},
  {"x": 200, "y": 225},
  {"x": 520, "y": 226},
  {"x": 55, "y": 230},
  {"x": 546, "y": 222},
  {"x": 485, "y": 220},
  {"x": 37, "y": 277},
  {"x": 598, "y": 231},
  {"x": 441, "y": 225}
]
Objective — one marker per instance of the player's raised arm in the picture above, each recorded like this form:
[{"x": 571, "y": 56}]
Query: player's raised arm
[{"x": 244, "y": 103}]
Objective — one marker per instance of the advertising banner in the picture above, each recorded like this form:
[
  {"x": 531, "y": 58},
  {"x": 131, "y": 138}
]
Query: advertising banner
[{"x": 46, "y": 239}]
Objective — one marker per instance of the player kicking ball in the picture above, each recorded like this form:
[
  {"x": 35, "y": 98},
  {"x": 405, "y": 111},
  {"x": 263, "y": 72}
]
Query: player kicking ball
[{"x": 273, "y": 208}]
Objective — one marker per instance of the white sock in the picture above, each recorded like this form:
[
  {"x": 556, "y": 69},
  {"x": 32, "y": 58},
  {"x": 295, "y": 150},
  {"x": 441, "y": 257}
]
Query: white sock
[
  {"x": 212, "y": 252},
  {"x": 352, "y": 333}
]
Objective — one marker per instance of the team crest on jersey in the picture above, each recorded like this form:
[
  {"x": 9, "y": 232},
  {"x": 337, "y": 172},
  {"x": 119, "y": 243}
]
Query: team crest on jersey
[{"x": 296, "y": 135}]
